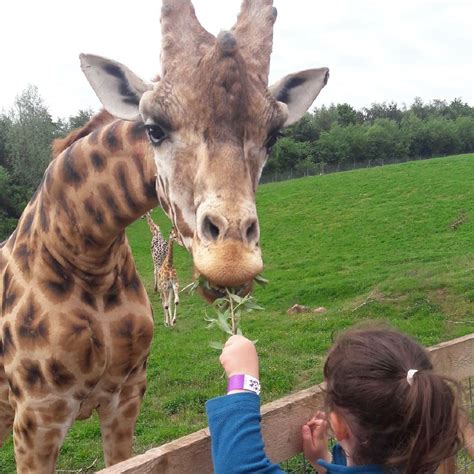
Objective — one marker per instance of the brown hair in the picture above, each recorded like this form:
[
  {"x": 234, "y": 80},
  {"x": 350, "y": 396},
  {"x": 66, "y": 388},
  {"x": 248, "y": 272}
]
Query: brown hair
[{"x": 395, "y": 424}]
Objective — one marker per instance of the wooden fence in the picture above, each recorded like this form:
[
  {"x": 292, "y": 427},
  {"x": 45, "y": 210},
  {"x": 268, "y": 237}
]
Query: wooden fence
[{"x": 281, "y": 422}]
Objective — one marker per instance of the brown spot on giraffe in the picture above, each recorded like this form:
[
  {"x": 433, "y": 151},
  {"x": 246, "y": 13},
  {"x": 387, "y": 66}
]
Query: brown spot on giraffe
[
  {"x": 32, "y": 376},
  {"x": 130, "y": 334},
  {"x": 111, "y": 138},
  {"x": 59, "y": 375},
  {"x": 32, "y": 326},
  {"x": 8, "y": 347},
  {"x": 82, "y": 330},
  {"x": 12, "y": 293}
]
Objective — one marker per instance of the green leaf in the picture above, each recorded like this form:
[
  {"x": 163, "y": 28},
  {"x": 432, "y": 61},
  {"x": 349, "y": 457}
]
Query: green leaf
[
  {"x": 216, "y": 345},
  {"x": 253, "y": 306},
  {"x": 192, "y": 287},
  {"x": 238, "y": 299},
  {"x": 260, "y": 280},
  {"x": 220, "y": 302},
  {"x": 204, "y": 283},
  {"x": 222, "y": 323}
]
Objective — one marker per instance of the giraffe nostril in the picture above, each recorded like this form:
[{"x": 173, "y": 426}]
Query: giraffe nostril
[
  {"x": 209, "y": 229},
  {"x": 251, "y": 232}
]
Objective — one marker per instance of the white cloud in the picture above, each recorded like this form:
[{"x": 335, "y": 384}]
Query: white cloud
[{"x": 376, "y": 50}]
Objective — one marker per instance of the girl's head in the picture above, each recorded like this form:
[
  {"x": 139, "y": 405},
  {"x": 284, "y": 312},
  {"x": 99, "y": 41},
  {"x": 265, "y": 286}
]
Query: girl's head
[{"x": 391, "y": 421}]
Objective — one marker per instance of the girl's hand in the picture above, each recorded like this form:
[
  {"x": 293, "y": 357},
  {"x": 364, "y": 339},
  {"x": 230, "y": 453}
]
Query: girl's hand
[
  {"x": 315, "y": 440},
  {"x": 239, "y": 356}
]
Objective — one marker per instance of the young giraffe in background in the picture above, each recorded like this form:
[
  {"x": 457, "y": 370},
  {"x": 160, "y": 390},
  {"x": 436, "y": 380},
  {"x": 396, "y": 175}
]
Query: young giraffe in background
[
  {"x": 158, "y": 247},
  {"x": 168, "y": 284},
  {"x": 76, "y": 323}
]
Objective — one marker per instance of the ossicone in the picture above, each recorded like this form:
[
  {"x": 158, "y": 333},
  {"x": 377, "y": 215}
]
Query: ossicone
[{"x": 227, "y": 43}]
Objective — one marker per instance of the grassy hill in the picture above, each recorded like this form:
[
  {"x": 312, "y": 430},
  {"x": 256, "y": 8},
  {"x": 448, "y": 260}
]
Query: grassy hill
[{"x": 393, "y": 243}]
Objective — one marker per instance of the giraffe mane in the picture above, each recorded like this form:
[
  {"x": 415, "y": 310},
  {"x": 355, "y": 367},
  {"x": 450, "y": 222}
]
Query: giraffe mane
[{"x": 96, "y": 121}]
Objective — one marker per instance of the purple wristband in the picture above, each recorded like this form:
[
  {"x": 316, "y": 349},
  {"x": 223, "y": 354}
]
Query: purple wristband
[
  {"x": 236, "y": 382},
  {"x": 243, "y": 382}
]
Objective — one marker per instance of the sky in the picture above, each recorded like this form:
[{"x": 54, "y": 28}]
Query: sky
[{"x": 377, "y": 50}]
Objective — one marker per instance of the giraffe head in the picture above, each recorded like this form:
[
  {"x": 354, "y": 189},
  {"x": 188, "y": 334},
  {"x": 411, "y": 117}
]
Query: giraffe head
[
  {"x": 212, "y": 120},
  {"x": 173, "y": 235}
]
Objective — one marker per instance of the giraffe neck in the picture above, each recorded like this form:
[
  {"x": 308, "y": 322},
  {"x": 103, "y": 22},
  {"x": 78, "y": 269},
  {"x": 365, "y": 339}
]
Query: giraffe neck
[
  {"x": 154, "y": 229},
  {"x": 91, "y": 192},
  {"x": 169, "y": 255}
]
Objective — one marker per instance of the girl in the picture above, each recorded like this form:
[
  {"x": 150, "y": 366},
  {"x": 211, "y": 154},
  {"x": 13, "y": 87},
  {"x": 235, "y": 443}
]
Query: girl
[{"x": 387, "y": 409}]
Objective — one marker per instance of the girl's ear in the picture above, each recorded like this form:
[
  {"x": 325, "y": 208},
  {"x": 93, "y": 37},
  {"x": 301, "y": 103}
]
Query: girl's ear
[{"x": 339, "y": 426}]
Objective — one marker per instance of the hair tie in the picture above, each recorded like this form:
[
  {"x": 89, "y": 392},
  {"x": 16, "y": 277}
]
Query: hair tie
[{"x": 410, "y": 375}]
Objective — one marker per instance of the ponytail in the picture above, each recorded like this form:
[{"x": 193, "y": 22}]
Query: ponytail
[{"x": 432, "y": 419}]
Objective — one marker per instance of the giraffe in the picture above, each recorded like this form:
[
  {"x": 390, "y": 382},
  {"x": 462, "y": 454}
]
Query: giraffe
[
  {"x": 158, "y": 247},
  {"x": 211, "y": 120},
  {"x": 168, "y": 284},
  {"x": 76, "y": 324}
]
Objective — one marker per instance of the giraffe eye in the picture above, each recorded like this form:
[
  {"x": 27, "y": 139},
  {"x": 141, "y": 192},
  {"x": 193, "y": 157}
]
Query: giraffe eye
[{"x": 155, "y": 133}]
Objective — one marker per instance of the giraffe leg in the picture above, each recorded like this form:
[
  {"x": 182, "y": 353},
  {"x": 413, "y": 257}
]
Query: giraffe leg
[
  {"x": 118, "y": 418},
  {"x": 176, "y": 301},
  {"x": 170, "y": 305},
  {"x": 155, "y": 273},
  {"x": 38, "y": 433},
  {"x": 165, "y": 311},
  {"x": 6, "y": 411}
]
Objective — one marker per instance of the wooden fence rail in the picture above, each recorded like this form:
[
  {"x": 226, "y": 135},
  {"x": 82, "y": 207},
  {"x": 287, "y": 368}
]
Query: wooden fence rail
[{"x": 281, "y": 422}]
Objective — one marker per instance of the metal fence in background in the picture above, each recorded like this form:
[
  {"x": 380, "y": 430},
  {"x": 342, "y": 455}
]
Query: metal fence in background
[{"x": 327, "y": 168}]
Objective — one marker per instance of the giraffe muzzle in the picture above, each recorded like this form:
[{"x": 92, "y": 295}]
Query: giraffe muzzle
[{"x": 227, "y": 262}]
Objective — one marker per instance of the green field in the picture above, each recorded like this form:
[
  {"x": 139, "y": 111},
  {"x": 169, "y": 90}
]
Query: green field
[{"x": 393, "y": 243}]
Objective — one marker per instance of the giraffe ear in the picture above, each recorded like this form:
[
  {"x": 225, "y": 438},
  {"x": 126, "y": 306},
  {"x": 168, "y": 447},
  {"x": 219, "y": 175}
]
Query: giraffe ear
[
  {"x": 298, "y": 91},
  {"x": 118, "y": 88}
]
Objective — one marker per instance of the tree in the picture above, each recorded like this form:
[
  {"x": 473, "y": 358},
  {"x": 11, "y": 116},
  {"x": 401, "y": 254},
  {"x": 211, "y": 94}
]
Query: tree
[
  {"x": 383, "y": 111},
  {"x": 346, "y": 115},
  {"x": 287, "y": 153},
  {"x": 324, "y": 117},
  {"x": 304, "y": 130},
  {"x": 464, "y": 127},
  {"x": 12, "y": 201},
  {"x": 28, "y": 138},
  {"x": 333, "y": 146},
  {"x": 385, "y": 141},
  {"x": 4, "y": 124}
]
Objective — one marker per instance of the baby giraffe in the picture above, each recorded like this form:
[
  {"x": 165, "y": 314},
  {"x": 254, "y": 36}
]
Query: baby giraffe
[
  {"x": 168, "y": 284},
  {"x": 158, "y": 247}
]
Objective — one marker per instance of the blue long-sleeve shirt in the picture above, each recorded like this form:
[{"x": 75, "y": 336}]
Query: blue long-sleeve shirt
[{"x": 237, "y": 444}]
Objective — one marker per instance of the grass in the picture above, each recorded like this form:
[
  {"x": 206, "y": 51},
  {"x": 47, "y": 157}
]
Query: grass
[{"x": 394, "y": 243}]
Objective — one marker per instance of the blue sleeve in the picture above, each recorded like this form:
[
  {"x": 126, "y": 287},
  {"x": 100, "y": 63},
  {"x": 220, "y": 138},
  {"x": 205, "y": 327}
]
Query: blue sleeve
[
  {"x": 236, "y": 440},
  {"x": 338, "y": 455}
]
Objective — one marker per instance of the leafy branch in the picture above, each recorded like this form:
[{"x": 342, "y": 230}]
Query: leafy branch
[{"x": 229, "y": 308}]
